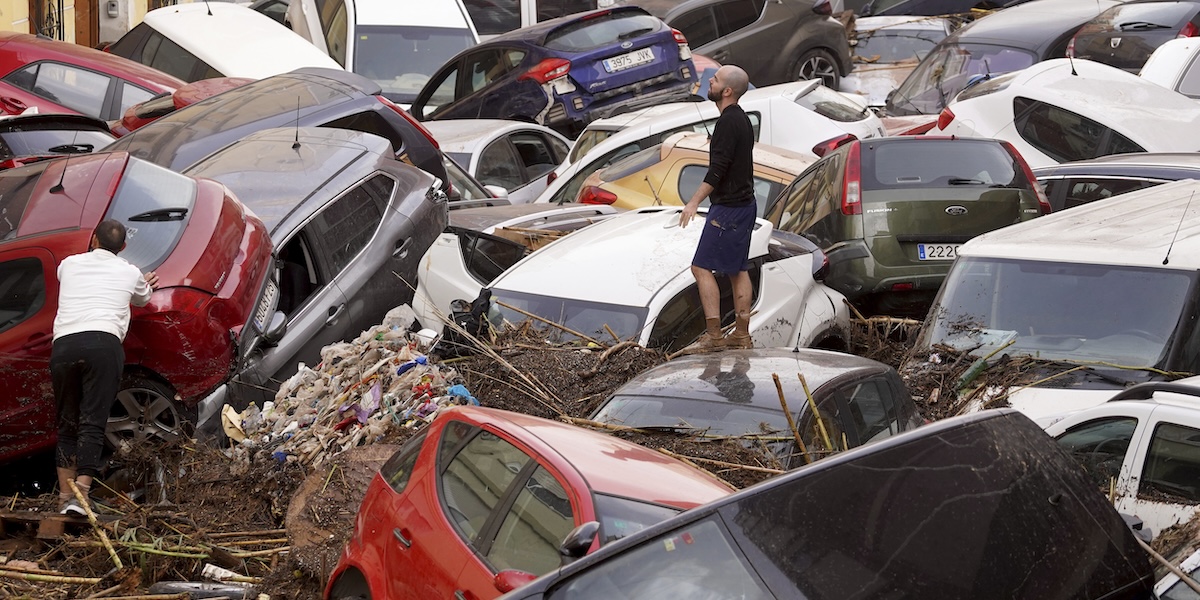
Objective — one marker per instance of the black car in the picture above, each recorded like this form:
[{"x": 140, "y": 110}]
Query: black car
[
  {"x": 349, "y": 224},
  {"x": 1005, "y": 41},
  {"x": 310, "y": 97},
  {"x": 1125, "y": 36},
  {"x": 733, "y": 394},
  {"x": 27, "y": 138},
  {"x": 979, "y": 506},
  {"x": 1074, "y": 183}
]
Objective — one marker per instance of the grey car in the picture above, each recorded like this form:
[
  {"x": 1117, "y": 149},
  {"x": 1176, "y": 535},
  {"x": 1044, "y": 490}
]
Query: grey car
[
  {"x": 775, "y": 41},
  {"x": 349, "y": 223},
  {"x": 732, "y": 394}
]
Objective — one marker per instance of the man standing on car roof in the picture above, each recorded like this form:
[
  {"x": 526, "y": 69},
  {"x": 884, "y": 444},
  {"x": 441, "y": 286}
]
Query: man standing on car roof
[
  {"x": 94, "y": 294},
  {"x": 725, "y": 241}
]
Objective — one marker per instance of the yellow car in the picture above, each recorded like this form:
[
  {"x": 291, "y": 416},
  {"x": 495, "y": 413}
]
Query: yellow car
[{"x": 668, "y": 174}]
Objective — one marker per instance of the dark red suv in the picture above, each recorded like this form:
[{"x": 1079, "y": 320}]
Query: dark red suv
[{"x": 212, "y": 257}]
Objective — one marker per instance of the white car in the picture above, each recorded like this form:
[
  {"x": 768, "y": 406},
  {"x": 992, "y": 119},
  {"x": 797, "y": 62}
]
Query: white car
[
  {"x": 1173, "y": 65},
  {"x": 629, "y": 276},
  {"x": 513, "y": 155},
  {"x": 797, "y": 116},
  {"x": 398, "y": 43},
  {"x": 1144, "y": 445},
  {"x": 1064, "y": 110},
  {"x": 886, "y": 50},
  {"x": 219, "y": 39}
]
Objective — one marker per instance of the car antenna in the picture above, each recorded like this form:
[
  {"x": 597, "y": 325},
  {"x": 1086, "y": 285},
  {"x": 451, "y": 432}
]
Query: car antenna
[
  {"x": 1072, "y": 61},
  {"x": 209, "y": 8},
  {"x": 296, "y": 143},
  {"x": 703, "y": 121},
  {"x": 1167, "y": 258},
  {"x": 58, "y": 187},
  {"x": 657, "y": 200}
]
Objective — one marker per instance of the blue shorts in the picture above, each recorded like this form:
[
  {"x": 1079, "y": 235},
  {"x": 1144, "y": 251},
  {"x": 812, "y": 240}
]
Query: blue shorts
[{"x": 725, "y": 242}]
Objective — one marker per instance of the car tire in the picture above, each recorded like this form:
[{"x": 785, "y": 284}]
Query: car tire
[
  {"x": 817, "y": 63},
  {"x": 146, "y": 409},
  {"x": 350, "y": 586}
]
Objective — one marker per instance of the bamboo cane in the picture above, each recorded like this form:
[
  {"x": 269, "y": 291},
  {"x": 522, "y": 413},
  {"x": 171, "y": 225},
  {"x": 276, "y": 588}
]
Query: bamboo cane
[
  {"x": 791, "y": 421},
  {"x": 83, "y": 501},
  {"x": 50, "y": 578},
  {"x": 816, "y": 414},
  {"x": 721, "y": 463}
]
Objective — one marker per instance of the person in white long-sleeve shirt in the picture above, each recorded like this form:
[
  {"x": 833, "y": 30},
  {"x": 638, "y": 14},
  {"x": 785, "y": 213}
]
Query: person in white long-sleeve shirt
[{"x": 96, "y": 289}]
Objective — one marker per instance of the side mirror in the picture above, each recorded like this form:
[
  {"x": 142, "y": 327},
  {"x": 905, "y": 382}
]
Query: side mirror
[
  {"x": 577, "y": 542},
  {"x": 276, "y": 329},
  {"x": 511, "y": 579},
  {"x": 497, "y": 191}
]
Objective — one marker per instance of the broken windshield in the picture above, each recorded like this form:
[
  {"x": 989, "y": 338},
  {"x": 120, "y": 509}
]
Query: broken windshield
[
  {"x": 946, "y": 71},
  {"x": 1082, "y": 313}
]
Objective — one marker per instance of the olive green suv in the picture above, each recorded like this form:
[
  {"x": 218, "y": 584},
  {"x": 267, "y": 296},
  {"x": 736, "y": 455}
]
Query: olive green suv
[{"x": 891, "y": 213}]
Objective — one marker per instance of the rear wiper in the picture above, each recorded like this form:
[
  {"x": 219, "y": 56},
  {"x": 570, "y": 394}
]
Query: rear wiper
[
  {"x": 965, "y": 181},
  {"x": 161, "y": 214},
  {"x": 1140, "y": 25},
  {"x": 72, "y": 148},
  {"x": 635, "y": 33}
]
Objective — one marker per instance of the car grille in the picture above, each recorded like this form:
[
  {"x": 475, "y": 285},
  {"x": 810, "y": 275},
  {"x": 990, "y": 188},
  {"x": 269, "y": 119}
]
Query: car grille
[{"x": 635, "y": 87}]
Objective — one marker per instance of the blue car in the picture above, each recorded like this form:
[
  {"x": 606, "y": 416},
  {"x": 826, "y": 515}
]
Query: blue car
[{"x": 564, "y": 72}]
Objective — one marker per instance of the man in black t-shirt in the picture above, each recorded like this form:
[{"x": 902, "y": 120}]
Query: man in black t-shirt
[{"x": 724, "y": 246}]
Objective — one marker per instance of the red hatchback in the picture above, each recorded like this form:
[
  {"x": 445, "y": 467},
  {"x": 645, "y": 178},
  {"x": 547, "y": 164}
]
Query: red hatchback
[
  {"x": 212, "y": 257},
  {"x": 481, "y": 501},
  {"x": 61, "y": 77}
]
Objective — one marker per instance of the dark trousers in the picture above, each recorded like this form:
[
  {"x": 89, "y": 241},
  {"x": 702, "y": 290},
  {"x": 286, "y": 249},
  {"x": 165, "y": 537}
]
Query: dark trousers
[{"x": 85, "y": 370}]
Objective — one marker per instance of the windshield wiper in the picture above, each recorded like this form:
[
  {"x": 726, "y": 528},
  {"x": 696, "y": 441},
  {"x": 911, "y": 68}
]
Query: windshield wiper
[
  {"x": 72, "y": 148},
  {"x": 635, "y": 33},
  {"x": 1140, "y": 25},
  {"x": 161, "y": 214},
  {"x": 965, "y": 181}
]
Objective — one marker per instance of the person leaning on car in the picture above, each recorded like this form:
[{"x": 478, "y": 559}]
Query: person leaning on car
[
  {"x": 95, "y": 291},
  {"x": 729, "y": 185}
]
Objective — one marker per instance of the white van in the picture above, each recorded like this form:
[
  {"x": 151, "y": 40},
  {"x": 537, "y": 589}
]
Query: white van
[
  {"x": 397, "y": 43},
  {"x": 218, "y": 39},
  {"x": 1082, "y": 303},
  {"x": 494, "y": 17}
]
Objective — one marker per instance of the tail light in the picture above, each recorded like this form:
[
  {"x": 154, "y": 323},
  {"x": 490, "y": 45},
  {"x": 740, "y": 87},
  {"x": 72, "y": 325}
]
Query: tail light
[
  {"x": 411, "y": 120},
  {"x": 682, "y": 40},
  {"x": 832, "y": 144},
  {"x": 548, "y": 70},
  {"x": 599, "y": 13},
  {"x": 550, "y": 178},
  {"x": 1189, "y": 30},
  {"x": 852, "y": 186},
  {"x": 685, "y": 53},
  {"x": 594, "y": 195},
  {"x": 1043, "y": 201},
  {"x": 823, "y": 7},
  {"x": 945, "y": 118},
  {"x": 902, "y": 287}
]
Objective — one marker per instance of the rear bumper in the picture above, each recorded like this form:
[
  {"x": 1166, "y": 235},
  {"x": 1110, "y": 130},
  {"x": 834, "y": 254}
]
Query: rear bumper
[
  {"x": 854, "y": 272},
  {"x": 584, "y": 108}
]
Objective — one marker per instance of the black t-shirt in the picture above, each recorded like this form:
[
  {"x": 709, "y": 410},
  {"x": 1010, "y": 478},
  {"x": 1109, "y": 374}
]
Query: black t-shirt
[{"x": 731, "y": 158}]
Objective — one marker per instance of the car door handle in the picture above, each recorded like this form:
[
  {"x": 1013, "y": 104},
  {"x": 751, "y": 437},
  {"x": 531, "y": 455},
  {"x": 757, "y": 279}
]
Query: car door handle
[
  {"x": 401, "y": 250},
  {"x": 402, "y": 537},
  {"x": 37, "y": 342},
  {"x": 334, "y": 313},
  {"x": 12, "y": 104}
]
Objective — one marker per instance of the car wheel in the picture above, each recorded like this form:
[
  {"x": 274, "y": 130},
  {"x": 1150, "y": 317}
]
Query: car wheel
[
  {"x": 147, "y": 409},
  {"x": 350, "y": 586},
  {"x": 818, "y": 64}
]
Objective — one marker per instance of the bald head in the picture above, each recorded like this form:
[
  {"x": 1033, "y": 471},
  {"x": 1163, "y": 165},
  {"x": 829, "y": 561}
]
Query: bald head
[{"x": 728, "y": 83}]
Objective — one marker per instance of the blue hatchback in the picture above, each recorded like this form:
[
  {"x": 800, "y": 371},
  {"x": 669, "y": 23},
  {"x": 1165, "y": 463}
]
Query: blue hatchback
[{"x": 564, "y": 72}]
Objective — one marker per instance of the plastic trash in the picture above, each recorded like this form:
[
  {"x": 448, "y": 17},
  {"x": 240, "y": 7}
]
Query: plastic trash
[
  {"x": 420, "y": 360},
  {"x": 460, "y": 390}
]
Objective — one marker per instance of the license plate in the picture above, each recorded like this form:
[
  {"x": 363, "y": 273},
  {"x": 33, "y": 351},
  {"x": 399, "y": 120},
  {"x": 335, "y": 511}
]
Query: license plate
[
  {"x": 937, "y": 251},
  {"x": 625, "y": 61},
  {"x": 265, "y": 305}
]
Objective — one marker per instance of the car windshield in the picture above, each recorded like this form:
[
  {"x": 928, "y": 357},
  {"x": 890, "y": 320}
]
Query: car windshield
[
  {"x": 1084, "y": 313},
  {"x": 832, "y": 105},
  {"x": 155, "y": 205},
  {"x": 895, "y": 44},
  {"x": 593, "y": 319},
  {"x": 600, "y": 31},
  {"x": 631, "y": 164},
  {"x": 402, "y": 58},
  {"x": 32, "y": 142},
  {"x": 946, "y": 72},
  {"x": 620, "y": 517},
  {"x": 588, "y": 140},
  {"x": 925, "y": 163},
  {"x": 716, "y": 418}
]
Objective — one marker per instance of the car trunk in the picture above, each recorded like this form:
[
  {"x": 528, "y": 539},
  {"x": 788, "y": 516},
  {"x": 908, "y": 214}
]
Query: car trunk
[
  {"x": 215, "y": 229},
  {"x": 903, "y": 223},
  {"x": 591, "y": 70},
  {"x": 1126, "y": 50}
]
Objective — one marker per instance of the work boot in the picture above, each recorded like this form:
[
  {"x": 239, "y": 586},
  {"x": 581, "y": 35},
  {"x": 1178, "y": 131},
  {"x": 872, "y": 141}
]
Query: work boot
[
  {"x": 740, "y": 338},
  {"x": 711, "y": 340}
]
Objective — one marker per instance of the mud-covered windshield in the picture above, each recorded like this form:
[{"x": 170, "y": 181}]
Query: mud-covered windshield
[
  {"x": 946, "y": 71},
  {"x": 1085, "y": 313}
]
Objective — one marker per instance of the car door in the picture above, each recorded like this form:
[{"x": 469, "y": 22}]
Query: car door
[
  {"x": 438, "y": 95},
  {"x": 743, "y": 42},
  {"x": 1102, "y": 445},
  {"x": 59, "y": 87},
  {"x": 699, "y": 26},
  {"x": 28, "y": 289},
  {"x": 538, "y": 154},
  {"x": 1166, "y": 469}
]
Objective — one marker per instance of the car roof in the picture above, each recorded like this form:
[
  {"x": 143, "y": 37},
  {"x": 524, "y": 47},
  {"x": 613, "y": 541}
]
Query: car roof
[
  {"x": 89, "y": 57},
  {"x": 273, "y": 178},
  {"x": 681, "y": 378},
  {"x": 905, "y": 23},
  {"x": 1033, "y": 25},
  {"x": 1170, "y": 165},
  {"x": 611, "y": 465},
  {"x": 235, "y": 40},
  {"x": 467, "y": 135},
  {"x": 774, "y": 157},
  {"x": 416, "y": 13},
  {"x": 537, "y": 33},
  {"x": 1136, "y": 228},
  {"x": 639, "y": 251}
]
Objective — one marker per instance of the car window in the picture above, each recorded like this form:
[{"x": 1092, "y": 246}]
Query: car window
[
  {"x": 600, "y": 320},
  {"x": 938, "y": 163},
  {"x": 398, "y": 469},
  {"x": 1189, "y": 84},
  {"x": 349, "y": 223},
  {"x": 737, "y": 14},
  {"x": 698, "y": 26},
  {"x": 691, "y": 176},
  {"x": 1062, "y": 134},
  {"x": 332, "y": 14},
  {"x": 493, "y": 17},
  {"x": 475, "y": 480},
  {"x": 462, "y": 186},
  {"x": 945, "y": 72},
  {"x": 872, "y": 409},
  {"x": 498, "y": 166},
  {"x": 551, "y": 9},
  {"x": 22, "y": 290},
  {"x": 699, "y": 560},
  {"x": 30, "y": 142},
  {"x": 570, "y": 190},
  {"x": 796, "y": 204},
  {"x": 402, "y": 58},
  {"x": 370, "y": 121},
  {"x": 681, "y": 319},
  {"x": 132, "y": 94},
  {"x": 1083, "y": 190},
  {"x": 155, "y": 205},
  {"x": 482, "y": 69},
  {"x": 832, "y": 105},
  {"x": 16, "y": 187},
  {"x": 620, "y": 517},
  {"x": 631, "y": 164},
  {"x": 536, "y": 523},
  {"x": 275, "y": 10},
  {"x": 167, "y": 56},
  {"x": 559, "y": 149},
  {"x": 1173, "y": 462},
  {"x": 1100, "y": 446},
  {"x": 300, "y": 273},
  {"x": 72, "y": 87},
  {"x": 822, "y": 431},
  {"x": 894, "y": 44},
  {"x": 486, "y": 256},
  {"x": 442, "y": 95},
  {"x": 535, "y": 154},
  {"x": 600, "y": 31}
]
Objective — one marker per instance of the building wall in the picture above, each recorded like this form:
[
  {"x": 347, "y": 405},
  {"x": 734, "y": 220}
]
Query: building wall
[{"x": 14, "y": 16}]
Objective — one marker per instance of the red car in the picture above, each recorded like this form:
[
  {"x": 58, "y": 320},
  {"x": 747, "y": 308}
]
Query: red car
[
  {"x": 480, "y": 502},
  {"x": 61, "y": 77},
  {"x": 164, "y": 104},
  {"x": 212, "y": 257}
]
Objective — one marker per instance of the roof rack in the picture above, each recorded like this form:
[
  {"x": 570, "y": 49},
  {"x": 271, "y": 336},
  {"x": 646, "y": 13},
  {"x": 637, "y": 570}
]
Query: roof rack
[{"x": 1145, "y": 391}]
